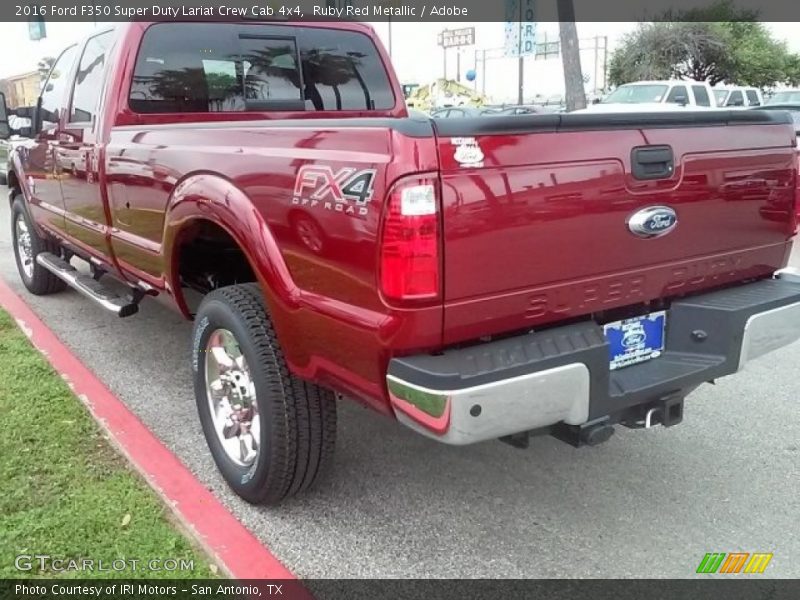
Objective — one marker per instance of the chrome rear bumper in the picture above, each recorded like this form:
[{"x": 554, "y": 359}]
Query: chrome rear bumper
[
  {"x": 561, "y": 375},
  {"x": 496, "y": 409}
]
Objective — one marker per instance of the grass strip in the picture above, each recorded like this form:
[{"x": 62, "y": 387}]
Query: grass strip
[{"x": 66, "y": 493}]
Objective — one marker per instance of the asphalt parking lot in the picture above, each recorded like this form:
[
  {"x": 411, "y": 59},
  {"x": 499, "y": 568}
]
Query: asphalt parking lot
[{"x": 645, "y": 504}]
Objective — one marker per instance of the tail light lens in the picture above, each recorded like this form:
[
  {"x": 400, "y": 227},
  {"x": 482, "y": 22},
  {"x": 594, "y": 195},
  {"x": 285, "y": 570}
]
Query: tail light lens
[{"x": 410, "y": 261}]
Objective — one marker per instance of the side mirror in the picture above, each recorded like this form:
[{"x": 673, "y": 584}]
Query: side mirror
[
  {"x": 5, "y": 129},
  {"x": 25, "y": 111}
]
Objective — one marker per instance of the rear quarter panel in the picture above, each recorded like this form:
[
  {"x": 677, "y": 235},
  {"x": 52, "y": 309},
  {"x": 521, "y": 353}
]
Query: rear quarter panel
[{"x": 332, "y": 323}]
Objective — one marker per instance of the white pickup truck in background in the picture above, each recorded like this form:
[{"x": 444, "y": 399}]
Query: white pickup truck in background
[
  {"x": 785, "y": 96},
  {"x": 657, "y": 96},
  {"x": 738, "y": 97}
]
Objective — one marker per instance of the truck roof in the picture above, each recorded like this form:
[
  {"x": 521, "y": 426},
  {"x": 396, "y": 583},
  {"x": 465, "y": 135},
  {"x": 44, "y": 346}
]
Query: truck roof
[
  {"x": 121, "y": 27},
  {"x": 667, "y": 82}
]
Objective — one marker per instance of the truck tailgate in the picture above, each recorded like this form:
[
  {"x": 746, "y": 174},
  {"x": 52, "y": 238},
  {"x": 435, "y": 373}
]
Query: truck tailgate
[{"x": 537, "y": 209}]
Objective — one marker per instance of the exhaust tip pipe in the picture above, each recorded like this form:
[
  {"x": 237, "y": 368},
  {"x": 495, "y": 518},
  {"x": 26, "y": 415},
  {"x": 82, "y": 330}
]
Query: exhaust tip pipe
[{"x": 597, "y": 434}]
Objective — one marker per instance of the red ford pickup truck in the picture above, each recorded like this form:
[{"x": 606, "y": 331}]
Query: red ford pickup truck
[{"x": 475, "y": 279}]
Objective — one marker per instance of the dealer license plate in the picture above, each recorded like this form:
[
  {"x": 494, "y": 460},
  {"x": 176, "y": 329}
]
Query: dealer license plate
[{"x": 636, "y": 340}]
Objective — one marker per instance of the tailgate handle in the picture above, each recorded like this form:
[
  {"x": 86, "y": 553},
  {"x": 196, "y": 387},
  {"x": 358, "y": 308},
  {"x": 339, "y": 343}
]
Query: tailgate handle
[{"x": 652, "y": 162}]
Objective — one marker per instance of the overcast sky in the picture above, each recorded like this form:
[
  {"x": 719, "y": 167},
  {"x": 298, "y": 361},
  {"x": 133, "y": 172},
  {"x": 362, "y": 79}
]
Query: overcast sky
[{"x": 415, "y": 53}]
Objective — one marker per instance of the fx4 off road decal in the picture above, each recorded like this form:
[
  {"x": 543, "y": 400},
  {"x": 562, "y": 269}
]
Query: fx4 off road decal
[{"x": 347, "y": 190}]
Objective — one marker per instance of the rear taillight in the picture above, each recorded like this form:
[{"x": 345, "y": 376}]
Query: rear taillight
[{"x": 409, "y": 268}]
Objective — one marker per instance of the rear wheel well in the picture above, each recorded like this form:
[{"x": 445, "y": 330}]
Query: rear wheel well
[{"x": 208, "y": 258}]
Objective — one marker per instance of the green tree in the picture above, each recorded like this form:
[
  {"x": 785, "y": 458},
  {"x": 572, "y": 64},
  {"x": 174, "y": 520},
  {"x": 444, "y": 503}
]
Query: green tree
[
  {"x": 758, "y": 59},
  {"x": 715, "y": 44},
  {"x": 664, "y": 50},
  {"x": 793, "y": 70}
]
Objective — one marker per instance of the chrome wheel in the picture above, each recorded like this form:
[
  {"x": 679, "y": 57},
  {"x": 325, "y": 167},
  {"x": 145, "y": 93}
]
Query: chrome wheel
[
  {"x": 24, "y": 248},
  {"x": 232, "y": 398}
]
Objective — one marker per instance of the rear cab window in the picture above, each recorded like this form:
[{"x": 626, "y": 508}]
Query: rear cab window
[
  {"x": 752, "y": 98},
  {"x": 214, "y": 67}
]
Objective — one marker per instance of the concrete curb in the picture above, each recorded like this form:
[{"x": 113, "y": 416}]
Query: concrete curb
[{"x": 239, "y": 553}]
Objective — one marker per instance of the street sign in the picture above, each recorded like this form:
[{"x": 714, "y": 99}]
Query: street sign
[
  {"x": 520, "y": 29},
  {"x": 36, "y": 29},
  {"x": 453, "y": 38}
]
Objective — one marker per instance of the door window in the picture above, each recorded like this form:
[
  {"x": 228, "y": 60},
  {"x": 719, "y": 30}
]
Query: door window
[
  {"x": 735, "y": 99},
  {"x": 54, "y": 92},
  {"x": 89, "y": 79},
  {"x": 701, "y": 95},
  {"x": 752, "y": 98},
  {"x": 678, "y": 95}
]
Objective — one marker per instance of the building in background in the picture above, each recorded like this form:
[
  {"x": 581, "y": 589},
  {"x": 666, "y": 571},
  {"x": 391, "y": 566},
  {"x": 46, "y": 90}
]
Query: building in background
[{"x": 21, "y": 90}]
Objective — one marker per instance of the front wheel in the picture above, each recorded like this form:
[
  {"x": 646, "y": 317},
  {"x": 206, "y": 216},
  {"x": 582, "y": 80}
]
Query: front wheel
[
  {"x": 271, "y": 434},
  {"x": 27, "y": 246}
]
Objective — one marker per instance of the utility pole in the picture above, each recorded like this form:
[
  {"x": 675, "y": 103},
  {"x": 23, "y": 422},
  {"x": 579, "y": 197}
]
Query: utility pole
[
  {"x": 571, "y": 56},
  {"x": 521, "y": 66},
  {"x": 483, "y": 73},
  {"x": 475, "y": 68},
  {"x": 458, "y": 64},
  {"x": 596, "y": 57},
  {"x": 444, "y": 53}
]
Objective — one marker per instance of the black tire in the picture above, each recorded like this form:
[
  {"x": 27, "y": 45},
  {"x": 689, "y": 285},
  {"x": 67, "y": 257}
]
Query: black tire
[
  {"x": 298, "y": 419},
  {"x": 41, "y": 282}
]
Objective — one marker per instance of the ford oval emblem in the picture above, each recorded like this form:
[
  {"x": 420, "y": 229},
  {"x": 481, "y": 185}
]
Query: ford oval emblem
[{"x": 653, "y": 221}]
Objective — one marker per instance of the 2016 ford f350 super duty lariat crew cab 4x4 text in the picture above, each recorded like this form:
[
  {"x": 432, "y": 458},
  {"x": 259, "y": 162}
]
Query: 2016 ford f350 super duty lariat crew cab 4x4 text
[{"x": 473, "y": 278}]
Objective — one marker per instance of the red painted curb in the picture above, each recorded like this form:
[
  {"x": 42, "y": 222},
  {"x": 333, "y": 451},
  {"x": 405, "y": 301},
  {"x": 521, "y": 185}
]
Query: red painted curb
[{"x": 213, "y": 526}]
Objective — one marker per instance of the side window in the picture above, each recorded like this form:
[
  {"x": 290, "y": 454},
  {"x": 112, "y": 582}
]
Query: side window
[
  {"x": 343, "y": 71},
  {"x": 89, "y": 79},
  {"x": 678, "y": 94},
  {"x": 735, "y": 99},
  {"x": 55, "y": 89},
  {"x": 752, "y": 98},
  {"x": 701, "y": 95}
]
